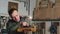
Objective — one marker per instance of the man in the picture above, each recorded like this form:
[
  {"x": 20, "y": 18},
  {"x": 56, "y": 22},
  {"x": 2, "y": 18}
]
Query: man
[{"x": 14, "y": 23}]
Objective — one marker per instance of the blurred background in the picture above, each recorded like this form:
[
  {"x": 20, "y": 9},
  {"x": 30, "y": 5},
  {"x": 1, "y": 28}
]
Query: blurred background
[{"x": 44, "y": 14}]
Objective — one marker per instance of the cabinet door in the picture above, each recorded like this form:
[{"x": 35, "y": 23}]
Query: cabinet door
[
  {"x": 57, "y": 10},
  {"x": 48, "y": 12},
  {"x": 42, "y": 10},
  {"x": 12, "y": 5}
]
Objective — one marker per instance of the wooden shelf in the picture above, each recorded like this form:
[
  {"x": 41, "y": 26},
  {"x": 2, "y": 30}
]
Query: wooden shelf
[{"x": 47, "y": 13}]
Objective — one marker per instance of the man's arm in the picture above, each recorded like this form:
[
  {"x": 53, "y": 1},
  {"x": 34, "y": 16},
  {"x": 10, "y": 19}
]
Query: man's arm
[
  {"x": 11, "y": 27},
  {"x": 14, "y": 27}
]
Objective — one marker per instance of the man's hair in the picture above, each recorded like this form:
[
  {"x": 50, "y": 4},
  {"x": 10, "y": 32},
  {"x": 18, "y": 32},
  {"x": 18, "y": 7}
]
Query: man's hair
[{"x": 11, "y": 11}]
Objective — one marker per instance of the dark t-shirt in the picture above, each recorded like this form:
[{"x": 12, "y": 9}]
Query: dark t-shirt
[{"x": 12, "y": 27}]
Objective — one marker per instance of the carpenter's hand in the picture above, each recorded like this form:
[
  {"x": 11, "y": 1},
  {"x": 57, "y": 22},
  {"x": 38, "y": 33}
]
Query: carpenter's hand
[{"x": 24, "y": 23}]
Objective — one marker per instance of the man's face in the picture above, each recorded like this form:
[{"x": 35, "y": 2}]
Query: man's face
[{"x": 15, "y": 16}]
